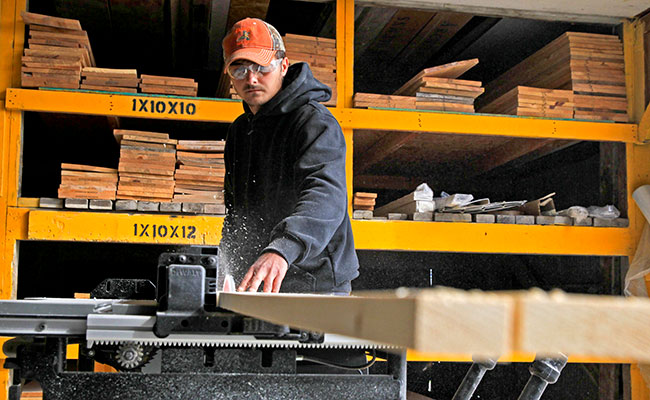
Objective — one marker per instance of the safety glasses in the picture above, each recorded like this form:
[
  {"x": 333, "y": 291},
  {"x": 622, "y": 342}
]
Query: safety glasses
[{"x": 240, "y": 71}]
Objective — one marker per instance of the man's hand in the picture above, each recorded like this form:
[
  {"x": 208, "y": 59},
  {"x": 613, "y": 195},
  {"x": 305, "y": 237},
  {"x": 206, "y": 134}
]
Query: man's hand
[{"x": 270, "y": 268}]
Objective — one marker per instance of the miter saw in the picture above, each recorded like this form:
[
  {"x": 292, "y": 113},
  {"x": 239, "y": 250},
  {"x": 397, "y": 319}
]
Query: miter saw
[{"x": 171, "y": 341}]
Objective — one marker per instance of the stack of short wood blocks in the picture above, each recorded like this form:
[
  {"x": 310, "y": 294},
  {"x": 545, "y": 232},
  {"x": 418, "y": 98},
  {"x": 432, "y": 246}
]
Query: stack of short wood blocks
[
  {"x": 58, "y": 49},
  {"x": 200, "y": 173},
  {"x": 436, "y": 89},
  {"x": 87, "y": 182},
  {"x": 110, "y": 79},
  {"x": 533, "y": 102},
  {"x": 154, "y": 84},
  {"x": 589, "y": 65},
  {"x": 146, "y": 166},
  {"x": 318, "y": 52},
  {"x": 152, "y": 176}
]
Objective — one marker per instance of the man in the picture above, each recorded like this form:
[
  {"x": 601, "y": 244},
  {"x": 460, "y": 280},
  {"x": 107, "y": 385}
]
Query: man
[{"x": 287, "y": 227}]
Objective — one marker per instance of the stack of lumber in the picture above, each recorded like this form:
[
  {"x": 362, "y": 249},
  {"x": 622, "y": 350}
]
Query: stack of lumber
[
  {"x": 87, "y": 182},
  {"x": 533, "y": 102},
  {"x": 591, "y": 65},
  {"x": 110, "y": 79},
  {"x": 318, "y": 52},
  {"x": 58, "y": 49},
  {"x": 438, "y": 88},
  {"x": 153, "y": 84},
  {"x": 419, "y": 203},
  {"x": 146, "y": 166},
  {"x": 364, "y": 201},
  {"x": 369, "y": 100},
  {"x": 201, "y": 171}
]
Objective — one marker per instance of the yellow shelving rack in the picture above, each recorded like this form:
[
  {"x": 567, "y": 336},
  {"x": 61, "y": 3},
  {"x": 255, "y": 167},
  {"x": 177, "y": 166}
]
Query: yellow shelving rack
[{"x": 21, "y": 221}]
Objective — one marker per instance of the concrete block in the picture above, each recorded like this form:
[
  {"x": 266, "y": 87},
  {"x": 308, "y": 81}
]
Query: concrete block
[
  {"x": 506, "y": 219},
  {"x": 49, "y": 202},
  {"x": 583, "y": 222},
  {"x": 171, "y": 207},
  {"x": 362, "y": 214},
  {"x": 219, "y": 209},
  {"x": 126, "y": 205},
  {"x": 380, "y": 218},
  {"x": 544, "y": 220},
  {"x": 193, "y": 208},
  {"x": 561, "y": 220},
  {"x": 525, "y": 219},
  {"x": 452, "y": 217},
  {"x": 422, "y": 216},
  {"x": 484, "y": 218},
  {"x": 96, "y": 204},
  {"x": 397, "y": 216},
  {"x": 148, "y": 206},
  {"x": 79, "y": 204},
  {"x": 612, "y": 223}
]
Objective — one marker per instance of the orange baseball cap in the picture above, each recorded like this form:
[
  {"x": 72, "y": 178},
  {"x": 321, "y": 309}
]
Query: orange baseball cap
[{"x": 251, "y": 39}]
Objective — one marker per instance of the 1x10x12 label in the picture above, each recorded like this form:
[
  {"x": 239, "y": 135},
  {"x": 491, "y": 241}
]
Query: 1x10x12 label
[
  {"x": 164, "y": 231},
  {"x": 167, "y": 106}
]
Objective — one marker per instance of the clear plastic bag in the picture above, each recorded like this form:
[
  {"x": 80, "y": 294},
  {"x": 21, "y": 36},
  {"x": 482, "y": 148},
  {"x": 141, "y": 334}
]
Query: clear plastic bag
[{"x": 607, "y": 212}]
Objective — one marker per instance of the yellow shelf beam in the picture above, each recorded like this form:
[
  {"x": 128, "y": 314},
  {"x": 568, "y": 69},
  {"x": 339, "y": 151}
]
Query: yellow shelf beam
[
  {"x": 30, "y": 224},
  {"x": 484, "y": 124},
  {"x": 117, "y": 227},
  {"x": 124, "y": 105},
  {"x": 222, "y": 110},
  {"x": 492, "y": 238}
]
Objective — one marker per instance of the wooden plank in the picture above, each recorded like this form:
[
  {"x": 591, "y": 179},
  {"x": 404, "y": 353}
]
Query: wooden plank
[
  {"x": 582, "y": 324},
  {"x": 88, "y": 168},
  {"x": 118, "y": 133},
  {"x": 108, "y": 88},
  {"x": 178, "y": 81},
  {"x": 466, "y": 323},
  {"x": 159, "y": 89},
  {"x": 39, "y": 19},
  {"x": 451, "y": 70},
  {"x": 111, "y": 72}
]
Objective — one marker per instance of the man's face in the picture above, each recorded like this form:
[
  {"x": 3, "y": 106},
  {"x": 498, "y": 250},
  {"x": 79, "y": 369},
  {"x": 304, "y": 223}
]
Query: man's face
[{"x": 258, "y": 88}]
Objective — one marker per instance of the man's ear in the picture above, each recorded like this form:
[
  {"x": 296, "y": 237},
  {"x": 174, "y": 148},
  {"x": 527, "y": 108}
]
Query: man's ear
[{"x": 285, "y": 66}]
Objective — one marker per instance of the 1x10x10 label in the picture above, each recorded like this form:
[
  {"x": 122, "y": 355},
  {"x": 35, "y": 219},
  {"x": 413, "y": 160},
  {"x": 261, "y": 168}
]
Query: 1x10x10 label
[
  {"x": 164, "y": 231},
  {"x": 167, "y": 106}
]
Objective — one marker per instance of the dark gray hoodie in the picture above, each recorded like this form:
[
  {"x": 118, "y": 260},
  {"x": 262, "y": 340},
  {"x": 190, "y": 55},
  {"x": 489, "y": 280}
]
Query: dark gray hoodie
[{"x": 286, "y": 188}]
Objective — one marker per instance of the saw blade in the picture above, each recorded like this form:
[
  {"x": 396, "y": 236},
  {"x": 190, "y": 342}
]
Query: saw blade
[{"x": 106, "y": 329}]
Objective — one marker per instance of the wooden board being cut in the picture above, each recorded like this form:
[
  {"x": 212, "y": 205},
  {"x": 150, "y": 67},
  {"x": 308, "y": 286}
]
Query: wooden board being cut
[
  {"x": 447, "y": 321},
  {"x": 434, "y": 321}
]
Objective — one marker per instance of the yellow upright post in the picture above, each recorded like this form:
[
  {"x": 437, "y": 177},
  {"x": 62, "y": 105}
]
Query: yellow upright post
[
  {"x": 344, "y": 74},
  {"x": 12, "y": 33},
  {"x": 638, "y": 155}
]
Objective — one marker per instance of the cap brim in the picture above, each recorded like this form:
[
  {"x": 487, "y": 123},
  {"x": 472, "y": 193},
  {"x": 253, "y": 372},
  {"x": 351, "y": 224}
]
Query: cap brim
[{"x": 258, "y": 56}]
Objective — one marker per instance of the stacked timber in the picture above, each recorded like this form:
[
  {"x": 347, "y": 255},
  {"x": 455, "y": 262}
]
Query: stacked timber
[
  {"x": 146, "y": 166},
  {"x": 438, "y": 88},
  {"x": 201, "y": 172},
  {"x": 153, "y": 84},
  {"x": 57, "y": 50},
  {"x": 533, "y": 102},
  {"x": 417, "y": 205},
  {"x": 591, "y": 65},
  {"x": 372, "y": 100},
  {"x": 110, "y": 79},
  {"x": 318, "y": 52},
  {"x": 87, "y": 182},
  {"x": 364, "y": 201}
]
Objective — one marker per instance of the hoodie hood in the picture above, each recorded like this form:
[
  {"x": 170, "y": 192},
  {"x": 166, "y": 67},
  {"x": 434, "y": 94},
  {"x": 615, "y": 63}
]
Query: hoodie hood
[{"x": 298, "y": 88}]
